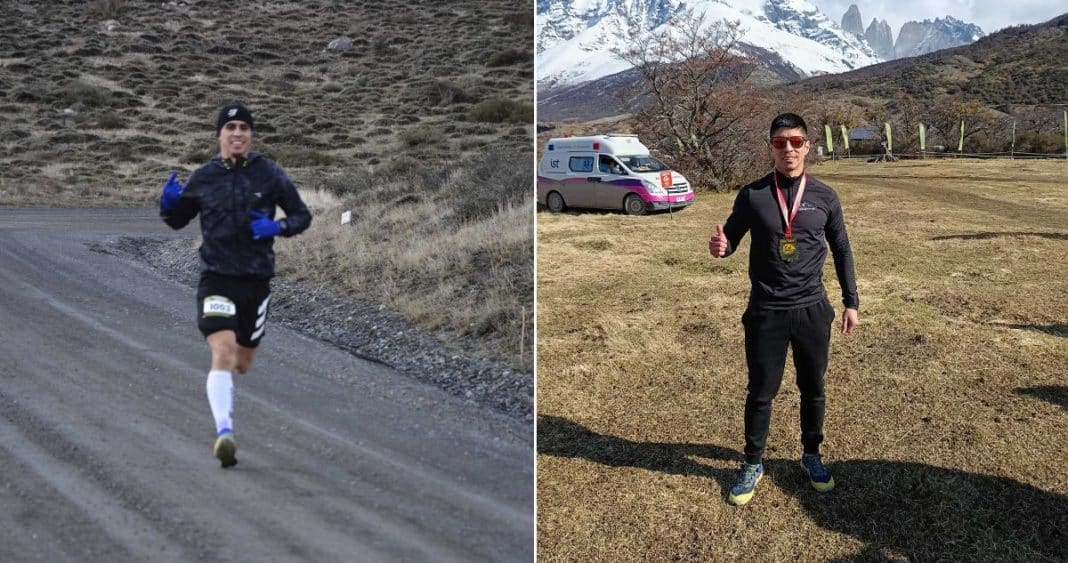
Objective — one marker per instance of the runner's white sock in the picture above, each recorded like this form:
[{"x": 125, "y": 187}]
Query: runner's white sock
[{"x": 221, "y": 399}]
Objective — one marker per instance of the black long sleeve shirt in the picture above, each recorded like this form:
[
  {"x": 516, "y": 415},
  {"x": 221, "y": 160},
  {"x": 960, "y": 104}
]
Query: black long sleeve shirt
[
  {"x": 777, "y": 284},
  {"x": 224, "y": 195}
]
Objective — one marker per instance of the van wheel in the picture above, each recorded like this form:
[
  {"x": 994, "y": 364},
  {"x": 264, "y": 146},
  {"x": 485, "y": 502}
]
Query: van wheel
[
  {"x": 633, "y": 205},
  {"x": 555, "y": 202}
]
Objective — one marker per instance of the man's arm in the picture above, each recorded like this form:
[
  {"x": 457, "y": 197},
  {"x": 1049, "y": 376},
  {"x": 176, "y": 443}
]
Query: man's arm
[
  {"x": 842, "y": 252},
  {"x": 298, "y": 218}
]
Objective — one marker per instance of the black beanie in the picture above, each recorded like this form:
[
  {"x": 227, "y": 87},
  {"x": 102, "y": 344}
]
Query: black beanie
[{"x": 233, "y": 112}]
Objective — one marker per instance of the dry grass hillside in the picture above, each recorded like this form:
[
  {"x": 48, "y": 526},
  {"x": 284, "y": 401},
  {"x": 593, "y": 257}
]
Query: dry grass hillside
[
  {"x": 423, "y": 128},
  {"x": 946, "y": 410}
]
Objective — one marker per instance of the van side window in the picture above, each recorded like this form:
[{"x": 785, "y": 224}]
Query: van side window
[{"x": 581, "y": 164}]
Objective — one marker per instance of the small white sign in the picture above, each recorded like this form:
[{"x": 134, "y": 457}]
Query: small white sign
[{"x": 346, "y": 217}]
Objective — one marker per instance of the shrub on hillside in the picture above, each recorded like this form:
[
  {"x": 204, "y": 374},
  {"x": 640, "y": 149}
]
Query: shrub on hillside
[
  {"x": 501, "y": 110},
  {"x": 110, "y": 120},
  {"x": 1042, "y": 143},
  {"x": 488, "y": 181},
  {"x": 520, "y": 20},
  {"x": 199, "y": 155},
  {"x": 297, "y": 156},
  {"x": 446, "y": 93},
  {"x": 508, "y": 57},
  {"x": 78, "y": 92},
  {"x": 108, "y": 9},
  {"x": 418, "y": 136}
]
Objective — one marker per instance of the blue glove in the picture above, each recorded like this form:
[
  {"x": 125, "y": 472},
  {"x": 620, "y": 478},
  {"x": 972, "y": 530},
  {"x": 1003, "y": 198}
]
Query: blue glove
[
  {"x": 172, "y": 190},
  {"x": 264, "y": 227}
]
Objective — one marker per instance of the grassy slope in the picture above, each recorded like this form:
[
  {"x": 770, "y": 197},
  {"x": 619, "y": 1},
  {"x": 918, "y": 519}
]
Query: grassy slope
[
  {"x": 379, "y": 125},
  {"x": 945, "y": 410}
]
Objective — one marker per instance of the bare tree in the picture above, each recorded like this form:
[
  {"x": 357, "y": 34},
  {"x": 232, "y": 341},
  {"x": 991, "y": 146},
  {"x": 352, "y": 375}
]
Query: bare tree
[
  {"x": 694, "y": 101},
  {"x": 947, "y": 113},
  {"x": 907, "y": 111}
]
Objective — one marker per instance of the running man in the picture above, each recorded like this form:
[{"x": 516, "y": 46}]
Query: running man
[
  {"x": 789, "y": 214},
  {"x": 236, "y": 194}
]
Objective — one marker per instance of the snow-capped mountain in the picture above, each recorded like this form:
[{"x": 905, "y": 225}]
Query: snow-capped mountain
[
  {"x": 918, "y": 38},
  {"x": 575, "y": 38}
]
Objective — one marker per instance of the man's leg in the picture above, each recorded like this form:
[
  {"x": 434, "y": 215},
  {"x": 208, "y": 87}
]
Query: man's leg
[
  {"x": 252, "y": 325},
  {"x": 766, "y": 339},
  {"x": 811, "y": 340},
  {"x": 225, "y": 355},
  {"x": 245, "y": 355}
]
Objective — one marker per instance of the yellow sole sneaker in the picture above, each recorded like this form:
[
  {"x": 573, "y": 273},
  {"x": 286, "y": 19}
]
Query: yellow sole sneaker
[{"x": 226, "y": 450}]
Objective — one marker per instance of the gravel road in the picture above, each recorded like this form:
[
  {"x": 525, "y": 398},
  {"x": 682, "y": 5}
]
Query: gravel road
[{"x": 105, "y": 432}]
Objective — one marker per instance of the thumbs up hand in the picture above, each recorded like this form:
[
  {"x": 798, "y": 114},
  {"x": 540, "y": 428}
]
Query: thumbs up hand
[
  {"x": 172, "y": 190},
  {"x": 717, "y": 243}
]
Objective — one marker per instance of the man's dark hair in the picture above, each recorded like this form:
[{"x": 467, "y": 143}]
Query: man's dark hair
[{"x": 787, "y": 121}]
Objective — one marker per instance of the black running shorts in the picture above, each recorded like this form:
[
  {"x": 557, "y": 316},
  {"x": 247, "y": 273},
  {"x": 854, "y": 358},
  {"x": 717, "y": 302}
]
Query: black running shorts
[{"x": 236, "y": 304}]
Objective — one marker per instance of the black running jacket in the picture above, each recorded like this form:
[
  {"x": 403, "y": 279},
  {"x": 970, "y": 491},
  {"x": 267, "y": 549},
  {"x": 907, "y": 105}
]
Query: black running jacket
[
  {"x": 778, "y": 284},
  {"x": 224, "y": 194}
]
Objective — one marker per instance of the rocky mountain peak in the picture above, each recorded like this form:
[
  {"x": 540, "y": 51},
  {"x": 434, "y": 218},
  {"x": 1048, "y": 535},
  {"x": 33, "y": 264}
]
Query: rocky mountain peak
[
  {"x": 852, "y": 22},
  {"x": 918, "y": 38},
  {"x": 880, "y": 38}
]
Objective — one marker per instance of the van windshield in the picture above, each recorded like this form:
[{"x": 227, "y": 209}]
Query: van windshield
[{"x": 642, "y": 163}]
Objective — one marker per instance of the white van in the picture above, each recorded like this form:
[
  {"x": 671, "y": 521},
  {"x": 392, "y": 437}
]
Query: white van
[{"x": 608, "y": 172}]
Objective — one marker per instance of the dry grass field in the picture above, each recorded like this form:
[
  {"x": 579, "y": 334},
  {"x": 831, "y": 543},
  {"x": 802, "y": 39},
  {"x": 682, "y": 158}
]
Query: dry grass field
[
  {"x": 422, "y": 120},
  {"x": 947, "y": 411}
]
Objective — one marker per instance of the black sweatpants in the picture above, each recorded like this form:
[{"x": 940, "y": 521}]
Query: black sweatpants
[{"x": 767, "y": 335}]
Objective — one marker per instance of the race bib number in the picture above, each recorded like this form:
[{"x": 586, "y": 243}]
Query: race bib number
[{"x": 219, "y": 306}]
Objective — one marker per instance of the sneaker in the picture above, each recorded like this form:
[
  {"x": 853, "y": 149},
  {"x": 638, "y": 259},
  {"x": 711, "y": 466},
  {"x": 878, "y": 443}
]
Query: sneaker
[
  {"x": 747, "y": 480},
  {"x": 818, "y": 474},
  {"x": 226, "y": 449}
]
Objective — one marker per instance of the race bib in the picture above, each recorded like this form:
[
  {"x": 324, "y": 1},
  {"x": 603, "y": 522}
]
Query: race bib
[{"x": 219, "y": 306}]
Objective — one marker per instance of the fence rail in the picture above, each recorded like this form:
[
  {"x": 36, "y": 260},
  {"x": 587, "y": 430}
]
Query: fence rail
[{"x": 947, "y": 154}]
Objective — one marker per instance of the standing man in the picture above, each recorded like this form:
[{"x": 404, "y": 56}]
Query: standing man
[
  {"x": 789, "y": 215},
  {"x": 235, "y": 194}
]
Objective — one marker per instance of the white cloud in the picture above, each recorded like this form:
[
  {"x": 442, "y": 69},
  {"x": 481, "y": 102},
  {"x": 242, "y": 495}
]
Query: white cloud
[{"x": 991, "y": 15}]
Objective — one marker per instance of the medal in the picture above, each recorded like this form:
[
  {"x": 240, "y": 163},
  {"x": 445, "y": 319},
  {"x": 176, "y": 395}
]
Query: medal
[
  {"x": 788, "y": 249},
  {"x": 788, "y": 244}
]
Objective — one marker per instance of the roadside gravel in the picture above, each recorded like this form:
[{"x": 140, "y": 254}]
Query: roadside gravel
[{"x": 366, "y": 330}]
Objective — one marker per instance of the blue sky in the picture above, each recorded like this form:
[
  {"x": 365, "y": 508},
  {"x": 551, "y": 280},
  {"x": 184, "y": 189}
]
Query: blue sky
[{"x": 991, "y": 15}]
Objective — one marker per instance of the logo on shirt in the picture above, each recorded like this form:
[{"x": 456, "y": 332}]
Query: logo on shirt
[{"x": 806, "y": 206}]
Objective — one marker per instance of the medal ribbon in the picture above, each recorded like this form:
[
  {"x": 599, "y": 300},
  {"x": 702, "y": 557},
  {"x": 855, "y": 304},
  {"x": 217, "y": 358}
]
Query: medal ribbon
[{"x": 782, "y": 202}]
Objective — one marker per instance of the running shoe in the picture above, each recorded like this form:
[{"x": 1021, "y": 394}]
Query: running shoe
[
  {"x": 747, "y": 480},
  {"x": 818, "y": 474},
  {"x": 226, "y": 449}
]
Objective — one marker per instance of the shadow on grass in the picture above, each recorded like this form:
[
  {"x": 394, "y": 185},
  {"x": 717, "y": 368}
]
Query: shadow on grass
[
  {"x": 920, "y": 511},
  {"x": 1056, "y": 394},
  {"x": 1055, "y": 329},
  {"x": 990, "y": 235}
]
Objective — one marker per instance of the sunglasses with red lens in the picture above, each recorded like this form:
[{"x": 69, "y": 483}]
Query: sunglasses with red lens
[{"x": 796, "y": 141}]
